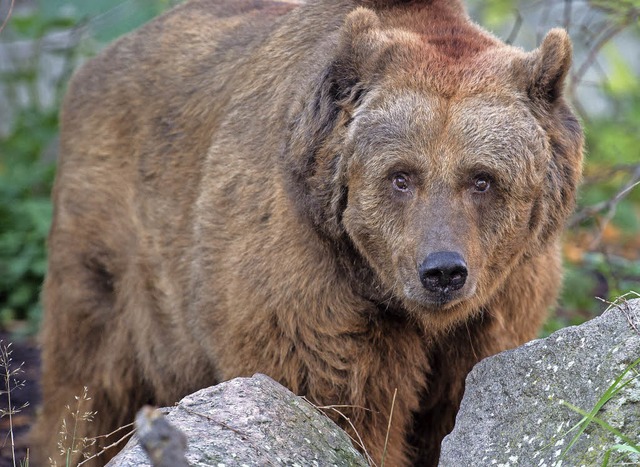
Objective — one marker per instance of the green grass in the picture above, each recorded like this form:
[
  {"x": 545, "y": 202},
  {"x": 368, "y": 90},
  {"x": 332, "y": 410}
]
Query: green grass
[{"x": 629, "y": 445}]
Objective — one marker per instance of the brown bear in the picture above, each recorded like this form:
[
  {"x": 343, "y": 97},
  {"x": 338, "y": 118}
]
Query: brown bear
[{"x": 352, "y": 197}]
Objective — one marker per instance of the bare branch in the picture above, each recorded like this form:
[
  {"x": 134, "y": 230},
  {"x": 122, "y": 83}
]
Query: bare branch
[
  {"x": 608, "y": 206},
  {"x": 609, "y": 33},
  {"x": 112, "y": 445},
  {"x": 515, "y": 29},
  {"x": 6, "y": 20},
  {"x": 567, "y": 14}
]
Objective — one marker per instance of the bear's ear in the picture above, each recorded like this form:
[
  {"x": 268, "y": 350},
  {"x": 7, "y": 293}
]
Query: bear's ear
[
  {"x": 360, "y": 43},
  {"x": 548, "y": 66},
  {"x": 314, "y": 155}
]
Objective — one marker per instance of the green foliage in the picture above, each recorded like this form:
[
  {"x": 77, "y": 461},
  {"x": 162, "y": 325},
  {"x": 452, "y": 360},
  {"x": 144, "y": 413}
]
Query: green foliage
[
  {"x": 496, "y": 12},
  {"x": 629, "y": 444},
  {"x": 25, "y": 213},
  {"x": 30, "y": 26},
  {"x": 598, "y": 275},
  {"x": 106, "y": 19},
  {"x": 27, "y": 151},
  {"x": 26, "y": 176},
  {"x": 610, "y": 263}
]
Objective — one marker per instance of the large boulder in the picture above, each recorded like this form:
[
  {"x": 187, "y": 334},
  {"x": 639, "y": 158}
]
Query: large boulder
[
  {"x": 252, "y": 422},
  {"x": 515, "y": 412}
]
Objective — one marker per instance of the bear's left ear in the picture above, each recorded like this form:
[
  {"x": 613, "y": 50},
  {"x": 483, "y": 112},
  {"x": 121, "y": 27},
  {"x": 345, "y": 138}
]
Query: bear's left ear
[
  {"x": 548, "y": 67},
  {"x": 315, "y": 154}
]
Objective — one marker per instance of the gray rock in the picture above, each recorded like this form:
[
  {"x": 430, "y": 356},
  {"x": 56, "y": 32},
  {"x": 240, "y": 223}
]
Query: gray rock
[
  {"x": 513, "y": 413},
  {"x": 252, "y": 422}
]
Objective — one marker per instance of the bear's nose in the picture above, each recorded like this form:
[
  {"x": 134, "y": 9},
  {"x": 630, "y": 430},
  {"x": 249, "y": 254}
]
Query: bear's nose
[{"x": 443, "y": 271}]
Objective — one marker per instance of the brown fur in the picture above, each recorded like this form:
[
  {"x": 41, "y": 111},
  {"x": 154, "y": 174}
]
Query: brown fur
[{"x": 224, "y": 206}]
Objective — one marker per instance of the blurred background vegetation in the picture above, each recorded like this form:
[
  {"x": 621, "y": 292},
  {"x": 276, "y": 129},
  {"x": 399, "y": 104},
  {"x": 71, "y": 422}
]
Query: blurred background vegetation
[{"x": 43, "y": 41}]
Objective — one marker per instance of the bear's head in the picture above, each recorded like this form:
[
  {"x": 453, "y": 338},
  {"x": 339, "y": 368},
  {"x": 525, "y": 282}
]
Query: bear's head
[{"x": 442, "y": 156}]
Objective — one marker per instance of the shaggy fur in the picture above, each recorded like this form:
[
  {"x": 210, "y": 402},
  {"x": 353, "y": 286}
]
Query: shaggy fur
[{"x": 227, "y": 202}]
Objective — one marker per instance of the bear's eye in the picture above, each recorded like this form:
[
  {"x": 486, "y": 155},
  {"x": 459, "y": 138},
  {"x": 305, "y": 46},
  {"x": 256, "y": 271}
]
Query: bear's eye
[
  {"x": 401, "y": 182},
  {"x": 481, "y": 183}
]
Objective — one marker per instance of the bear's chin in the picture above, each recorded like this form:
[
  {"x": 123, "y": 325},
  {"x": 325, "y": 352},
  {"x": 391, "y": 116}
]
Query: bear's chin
[{"x": 441, "y": 313}]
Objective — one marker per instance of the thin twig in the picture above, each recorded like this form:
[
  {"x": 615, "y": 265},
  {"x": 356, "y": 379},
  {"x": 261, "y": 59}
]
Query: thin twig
[
  {"x": 609, "y": 205},
  {"x": 128, "y": 425},
  {"x": 386, "y": 439},
  {"x": 515, "y": 29},
  {"x": 359, "y": 441},
  {"x": 329, "y": 407},
  {"x": 618, "y": 302},
  {"x": 5, "y": 363},
  {"x": 544, "y": 20},
  {"x": 567, "y": 14},
  {"x": 104, "y": 449},
  {"x": 6, "y": 20},
  {"x": 335, "y": 408},
  {"x": 630, "y": 18},
  {"x": 244, "y": 436},
  {"x": 219, "y": 422},
  {"x": 626, "y": 311}
]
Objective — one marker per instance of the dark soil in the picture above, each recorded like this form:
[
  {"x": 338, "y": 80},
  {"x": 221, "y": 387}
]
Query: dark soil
[{"x": 25, "y": 351}]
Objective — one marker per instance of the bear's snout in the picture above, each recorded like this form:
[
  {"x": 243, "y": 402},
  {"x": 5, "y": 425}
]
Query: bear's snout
[{"x": 443, "y": 272}]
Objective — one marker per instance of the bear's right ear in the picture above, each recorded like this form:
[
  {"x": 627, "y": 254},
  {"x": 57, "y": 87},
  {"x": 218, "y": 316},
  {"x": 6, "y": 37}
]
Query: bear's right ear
[
  {"x": 545, "y": 69},
  {"x": 360, "y": 43}
]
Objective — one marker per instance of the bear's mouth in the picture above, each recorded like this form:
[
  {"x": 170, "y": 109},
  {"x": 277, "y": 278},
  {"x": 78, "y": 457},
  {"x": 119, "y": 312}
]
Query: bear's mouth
[{"x": 442, "y": 299}]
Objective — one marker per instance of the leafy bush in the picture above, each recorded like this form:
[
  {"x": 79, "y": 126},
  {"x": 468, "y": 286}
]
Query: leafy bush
[
  {"x": 27, "y": 155},
  {"x": 25, "y": 213},
  {"x": 28, "y": 146}
]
